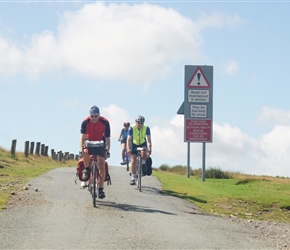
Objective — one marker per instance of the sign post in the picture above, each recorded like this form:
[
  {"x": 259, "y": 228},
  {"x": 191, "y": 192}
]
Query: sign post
[{"x": 198, "y": 107}]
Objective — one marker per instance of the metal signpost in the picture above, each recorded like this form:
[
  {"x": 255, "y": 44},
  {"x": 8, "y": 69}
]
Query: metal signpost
[{"x": 197, "y": 108}]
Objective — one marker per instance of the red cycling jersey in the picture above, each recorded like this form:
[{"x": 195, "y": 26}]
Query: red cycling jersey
[{"x": 96, "y": 131}]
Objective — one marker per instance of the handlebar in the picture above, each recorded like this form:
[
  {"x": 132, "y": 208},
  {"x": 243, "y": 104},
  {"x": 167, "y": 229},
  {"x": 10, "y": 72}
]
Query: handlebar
[
  {"x": 89, "y": 143},
  {"x": 141, "y": 149}
]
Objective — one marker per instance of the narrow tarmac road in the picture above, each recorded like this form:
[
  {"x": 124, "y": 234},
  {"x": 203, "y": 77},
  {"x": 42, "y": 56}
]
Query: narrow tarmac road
[{"x": 61, "y": 216}]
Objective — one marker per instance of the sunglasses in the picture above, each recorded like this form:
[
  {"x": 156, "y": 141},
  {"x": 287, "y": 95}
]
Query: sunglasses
[
  {"x": 126, "y": 126},
  {"x": 140, "y": 122},
  {"x": 94, "y": 116}
]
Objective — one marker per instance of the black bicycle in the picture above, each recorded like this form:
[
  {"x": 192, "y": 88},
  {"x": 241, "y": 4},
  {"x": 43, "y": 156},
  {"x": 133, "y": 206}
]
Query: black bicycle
[
  {"x": 94, "y": 147},
  {"x": 127, "y": 159},
  {"x": 139, "y": 167}
]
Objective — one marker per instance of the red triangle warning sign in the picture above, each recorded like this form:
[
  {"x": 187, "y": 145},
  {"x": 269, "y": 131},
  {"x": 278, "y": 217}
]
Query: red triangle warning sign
[{"x": 198, "y": 80}]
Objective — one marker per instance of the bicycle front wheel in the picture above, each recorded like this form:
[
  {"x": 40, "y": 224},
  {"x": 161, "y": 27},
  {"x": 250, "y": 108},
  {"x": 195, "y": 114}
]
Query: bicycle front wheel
[
  {"x": 94, "y": 187},
  {"x": 139, "y": 171}
]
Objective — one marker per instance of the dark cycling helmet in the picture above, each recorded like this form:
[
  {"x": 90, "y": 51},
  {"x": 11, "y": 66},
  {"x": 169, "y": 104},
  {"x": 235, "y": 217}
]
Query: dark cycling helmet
[
  {"x": 126, "y": 124},
  {"x": 94, "y": 110},
  {"x": 140, "y": 118}
]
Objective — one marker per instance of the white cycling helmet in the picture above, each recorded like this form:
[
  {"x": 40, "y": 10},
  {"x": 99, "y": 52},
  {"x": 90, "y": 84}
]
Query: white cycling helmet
[{"x": 140, "y": 118}]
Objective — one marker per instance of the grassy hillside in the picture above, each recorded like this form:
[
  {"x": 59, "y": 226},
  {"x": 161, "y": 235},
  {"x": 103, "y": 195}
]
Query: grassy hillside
[
  {"x": 15, "y": 171},
  {"x": 243, "y": 196}
]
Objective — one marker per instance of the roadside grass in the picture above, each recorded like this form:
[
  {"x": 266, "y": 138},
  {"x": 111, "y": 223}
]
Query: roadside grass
[
  {"x": 243, "y": 196},
  {"x": 16, "y": 171}
]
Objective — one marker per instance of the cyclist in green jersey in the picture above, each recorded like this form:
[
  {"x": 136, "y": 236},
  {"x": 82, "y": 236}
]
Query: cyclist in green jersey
[{"x": 138, "y": 136}]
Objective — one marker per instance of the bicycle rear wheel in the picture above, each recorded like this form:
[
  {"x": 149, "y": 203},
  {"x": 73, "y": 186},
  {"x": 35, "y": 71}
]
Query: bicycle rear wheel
[
  {"x": 127, "y": 159},
  {"x": 127, "y": 165},
  {"x": 94, "y": 182}
]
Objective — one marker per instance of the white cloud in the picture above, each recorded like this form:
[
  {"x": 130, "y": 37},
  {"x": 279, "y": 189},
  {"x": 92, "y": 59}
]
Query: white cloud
[
  {"x": 115, "y": 115},
  {"x": 167, "y": 140},
  {"x": 218, "y": 19},
  {"x": 272, "y": 116},
  {"x": 10, "y": 58},
  {"x": 231, "y": 68},
  {"x": 276, "y": 147},
  {"x": 277, "y": 142},
  {"x": 231, "y": 149},
  {"x": 129, "y": 43},
  {"x": 234, "y": 150},
  {"x": 42, "y": 56}
]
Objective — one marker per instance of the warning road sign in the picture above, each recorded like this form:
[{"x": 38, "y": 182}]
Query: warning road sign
[
  {"x": 198, "y": 80},
  {"x": 198, "y": 130},
  {"x": 198, "y": 105}
]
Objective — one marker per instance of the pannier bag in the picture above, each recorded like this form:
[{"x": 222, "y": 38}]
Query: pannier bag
[
  {"x": 81, "y": 167},
  {"x": 149, "y": 165}
]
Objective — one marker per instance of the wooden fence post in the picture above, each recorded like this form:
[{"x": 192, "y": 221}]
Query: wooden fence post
[
  {"x": 13, "y": 147},
  {"x": 31, "y": 148},
  {"x": 42, "y": 149},
  {"x": 26, "y": 148},
  {"x": 52, "y": 153},
  {"x": 66, "y": 156},
  {"x": 59, "y": 155},
  {"x": 37, "y": 149}
]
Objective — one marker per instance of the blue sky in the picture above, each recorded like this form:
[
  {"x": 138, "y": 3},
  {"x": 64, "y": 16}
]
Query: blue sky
[{"x": 58, "y": 58}]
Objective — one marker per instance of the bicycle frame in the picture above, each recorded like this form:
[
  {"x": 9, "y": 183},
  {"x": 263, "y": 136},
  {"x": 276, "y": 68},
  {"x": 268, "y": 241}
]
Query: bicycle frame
[
  {"x": 94, "y": 146},
  {"x": 93, "y": 181},
  {"x": 139, "y": 168},
  {"x": 127, "y": 159}
]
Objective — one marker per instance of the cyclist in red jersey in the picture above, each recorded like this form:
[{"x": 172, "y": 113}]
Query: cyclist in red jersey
[{"x": 95, "y": 128}]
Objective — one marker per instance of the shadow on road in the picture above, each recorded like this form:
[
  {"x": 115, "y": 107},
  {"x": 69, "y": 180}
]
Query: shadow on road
[
  {"x": 147, "y": 189},
  {"x": 132, "y": 208},
  {"x": 183, "y": 196}
]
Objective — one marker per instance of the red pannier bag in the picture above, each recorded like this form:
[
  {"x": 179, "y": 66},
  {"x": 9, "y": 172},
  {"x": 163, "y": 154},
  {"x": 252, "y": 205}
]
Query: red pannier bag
[{"x": 81, "y": 167}]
